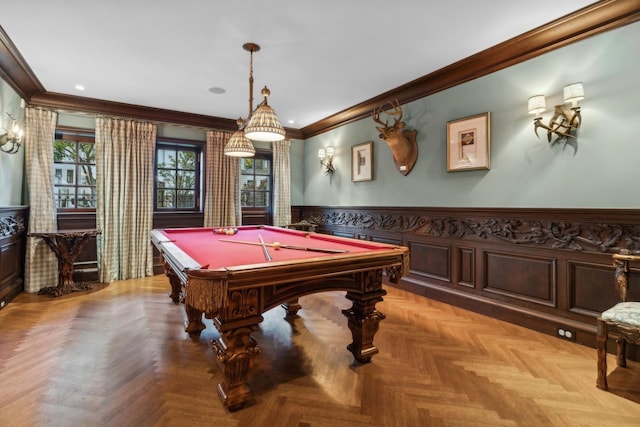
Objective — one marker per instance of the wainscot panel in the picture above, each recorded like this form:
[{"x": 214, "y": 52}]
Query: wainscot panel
[
  {"x": 430, "y": 261},
  {"x": 13, "y": 230},
  {"x": 545, "y": 269},
  {"x": 520, "y": 277},
  {"x": 464, "y": 262}
]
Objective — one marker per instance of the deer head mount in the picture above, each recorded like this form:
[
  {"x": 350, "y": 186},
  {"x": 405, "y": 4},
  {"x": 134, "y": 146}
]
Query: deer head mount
[{"x": 401, "y": 142}]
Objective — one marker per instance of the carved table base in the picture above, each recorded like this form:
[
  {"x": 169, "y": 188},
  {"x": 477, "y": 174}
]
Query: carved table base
[
  {"x": 56, "y": 291},
  {"x": 363, "y": 320},
  {"x": 66, "y": 245},
  {"x": 235, "y": 350}
]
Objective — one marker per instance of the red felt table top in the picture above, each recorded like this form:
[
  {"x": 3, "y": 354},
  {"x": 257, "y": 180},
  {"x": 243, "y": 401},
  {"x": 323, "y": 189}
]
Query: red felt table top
[{"x": 212, "y": 252}]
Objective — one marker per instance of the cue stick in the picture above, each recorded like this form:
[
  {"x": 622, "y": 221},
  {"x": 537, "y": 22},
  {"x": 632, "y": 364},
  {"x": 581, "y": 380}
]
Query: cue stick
[
  {"x": 264, "y": 248},
  {"x": 298, "y": 248}
]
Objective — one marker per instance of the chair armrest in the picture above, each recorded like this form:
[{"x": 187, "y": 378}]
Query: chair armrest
[{"x": 621, "y": 263}]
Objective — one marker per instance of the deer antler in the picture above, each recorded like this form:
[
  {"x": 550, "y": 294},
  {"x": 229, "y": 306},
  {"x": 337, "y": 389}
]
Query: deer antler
[
  {"x": 561, "y": 123},
  {"x": 375, "y": 115},
  {"x": 397, "y": 111}
]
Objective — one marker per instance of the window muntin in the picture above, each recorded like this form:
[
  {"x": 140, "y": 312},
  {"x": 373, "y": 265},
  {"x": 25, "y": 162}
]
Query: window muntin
[
  {"x": 74, "y": 171},
  {"x": 177, "y": 177},
  {"x": 255, "y": 182}
]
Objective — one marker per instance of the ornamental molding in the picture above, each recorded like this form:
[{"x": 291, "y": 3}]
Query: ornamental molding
[
  {"x": 11, "y": 225},
  {"x": 567, "y": 235}
]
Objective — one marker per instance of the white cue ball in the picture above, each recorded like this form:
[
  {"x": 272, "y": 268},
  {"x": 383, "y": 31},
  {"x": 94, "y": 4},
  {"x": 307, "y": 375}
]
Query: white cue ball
[{"x": 276, "y": 245}]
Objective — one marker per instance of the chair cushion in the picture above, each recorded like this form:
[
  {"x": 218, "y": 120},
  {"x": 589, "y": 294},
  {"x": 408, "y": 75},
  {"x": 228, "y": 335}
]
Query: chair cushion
[{"x": 626, "y": 313}]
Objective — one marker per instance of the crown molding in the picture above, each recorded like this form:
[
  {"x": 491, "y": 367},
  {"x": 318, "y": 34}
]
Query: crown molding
[
  {"x": 15, "y": 71},
  {"x": 594, "y": 19},
  {"x": 68, "y": 103},
  {"x": 591, "y": 20}
]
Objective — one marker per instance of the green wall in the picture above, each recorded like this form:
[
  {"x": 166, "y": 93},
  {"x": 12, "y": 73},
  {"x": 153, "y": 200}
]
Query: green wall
[
  {"x": 600, "y": 171},
  {"x": 11, "y": 165}
]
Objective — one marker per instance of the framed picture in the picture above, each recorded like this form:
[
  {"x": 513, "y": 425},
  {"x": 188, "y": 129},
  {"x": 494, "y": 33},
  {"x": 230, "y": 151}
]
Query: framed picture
[
  {"x": 468, "y": 143},
  {"x": 362, "y": 162}
]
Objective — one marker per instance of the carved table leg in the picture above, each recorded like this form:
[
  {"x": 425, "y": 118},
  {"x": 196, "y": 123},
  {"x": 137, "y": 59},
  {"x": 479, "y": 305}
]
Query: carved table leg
[
  {"x": 363, "y": 320},
  {"x": 235, "y": 350},
  {"x": 194, "y": 324},
  {"x": 174, "y": 280},
  {"x": 601, "y": 346},
  {"x": 291, "y": 307}
]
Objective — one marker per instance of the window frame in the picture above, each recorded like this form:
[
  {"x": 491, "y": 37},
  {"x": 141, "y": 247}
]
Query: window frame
[
  {"x": 77, "y": 135},
  {"x": 260, "y": 215},
  {"x": 185, "y": 145}
]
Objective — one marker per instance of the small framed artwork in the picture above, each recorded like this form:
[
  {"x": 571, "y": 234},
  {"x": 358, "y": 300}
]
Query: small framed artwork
[
  {"x": 468, "y": 143},
  {"x": 362, "y": 162}
]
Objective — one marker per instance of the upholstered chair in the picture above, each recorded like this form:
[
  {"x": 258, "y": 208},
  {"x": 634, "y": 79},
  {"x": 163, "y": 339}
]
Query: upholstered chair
[{"x": 621, "y": 321}]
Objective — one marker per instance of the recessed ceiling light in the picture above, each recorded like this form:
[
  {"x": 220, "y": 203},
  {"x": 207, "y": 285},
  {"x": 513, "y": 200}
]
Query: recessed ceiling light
[
  {"x": 79, "y": 87},
  {"x": 217, "y": 90},
  {"x": 291, "y": 122}
]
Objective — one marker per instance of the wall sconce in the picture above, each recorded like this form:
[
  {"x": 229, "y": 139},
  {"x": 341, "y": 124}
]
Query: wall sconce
[
  {"x": 326, "y": 160},
  {"x": 10, "y": 140},
  {"x": 564, "y": 120}
]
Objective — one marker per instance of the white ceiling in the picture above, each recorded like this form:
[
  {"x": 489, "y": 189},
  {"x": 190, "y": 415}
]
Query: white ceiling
[{"x": 317, "y": 57}]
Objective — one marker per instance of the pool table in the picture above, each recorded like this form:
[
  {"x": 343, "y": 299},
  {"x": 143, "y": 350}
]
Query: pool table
[{"x": 234, "y": 278}]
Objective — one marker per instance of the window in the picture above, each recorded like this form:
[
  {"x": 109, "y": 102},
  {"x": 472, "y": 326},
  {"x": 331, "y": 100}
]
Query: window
[
  {"x": 74, "y": 170},
  {"x": 177, "y": 177},
  {"x": 255, "y": 182}
]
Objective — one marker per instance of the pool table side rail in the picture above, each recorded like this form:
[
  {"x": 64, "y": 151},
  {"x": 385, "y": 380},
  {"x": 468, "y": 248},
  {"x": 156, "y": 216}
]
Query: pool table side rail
[{"x": 182, "y": 262}]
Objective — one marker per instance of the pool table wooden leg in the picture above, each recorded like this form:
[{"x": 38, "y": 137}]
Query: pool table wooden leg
[
  {"x": 363, "y": 320},
  {"x": 194, "y": 324},
  {"x": 176, "y": 284},
  {"x": 235, "y": 350},
  {"x": 291, "y": 307}
]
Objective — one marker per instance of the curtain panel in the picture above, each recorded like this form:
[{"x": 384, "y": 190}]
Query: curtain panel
[
  {"x": 282, "y": 183},
  {"x": 222, "y": 182},
  {"x": 41, "y": 264},
  {"x": 125, "y": 151}
]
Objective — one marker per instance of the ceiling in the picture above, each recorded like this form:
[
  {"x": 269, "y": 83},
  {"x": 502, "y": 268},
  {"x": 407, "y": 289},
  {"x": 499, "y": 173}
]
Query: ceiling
[{"x": 317, "y": 57}]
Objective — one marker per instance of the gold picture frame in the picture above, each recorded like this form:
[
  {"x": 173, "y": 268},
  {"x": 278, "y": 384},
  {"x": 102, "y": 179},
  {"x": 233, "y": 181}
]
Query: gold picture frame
[
  {"x": 468, "y": 143},
  {"x": 362, "y": 162}
]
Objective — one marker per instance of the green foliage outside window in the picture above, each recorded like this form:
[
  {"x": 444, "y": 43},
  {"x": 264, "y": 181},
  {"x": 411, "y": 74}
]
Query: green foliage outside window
[
  {"x": 74, "y": 172},
  {"x": 176, "y": 178}
]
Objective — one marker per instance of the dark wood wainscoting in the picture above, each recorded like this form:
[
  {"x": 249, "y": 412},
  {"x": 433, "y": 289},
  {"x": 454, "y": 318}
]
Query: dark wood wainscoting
[
  {"x": 546, "y": 269},
  {"x": 13, "y": 231},
  {"x": 85, "y": 268}
]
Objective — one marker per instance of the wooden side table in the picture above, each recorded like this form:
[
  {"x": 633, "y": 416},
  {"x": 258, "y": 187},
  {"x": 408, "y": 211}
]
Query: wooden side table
[{"x": 66, "y": 244}]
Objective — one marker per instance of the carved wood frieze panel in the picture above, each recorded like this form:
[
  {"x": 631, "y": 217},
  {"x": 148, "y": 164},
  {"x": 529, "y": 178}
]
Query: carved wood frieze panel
[
  {"x": 11, "y": 225},
  {"x": 576, "y": 236}
]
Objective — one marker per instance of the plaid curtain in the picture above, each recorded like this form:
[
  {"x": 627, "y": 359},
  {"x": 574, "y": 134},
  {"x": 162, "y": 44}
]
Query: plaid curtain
[
  {"x": 281, "y": 183},
  {"x": 41, "y": 264},
  {"x": 222, "y": 198},
  {"x": 125, "y": 150}
]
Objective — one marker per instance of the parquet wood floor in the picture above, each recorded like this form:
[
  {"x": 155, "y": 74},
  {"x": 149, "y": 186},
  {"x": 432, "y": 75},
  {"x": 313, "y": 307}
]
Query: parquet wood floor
[{"x": 118, "y": 356}]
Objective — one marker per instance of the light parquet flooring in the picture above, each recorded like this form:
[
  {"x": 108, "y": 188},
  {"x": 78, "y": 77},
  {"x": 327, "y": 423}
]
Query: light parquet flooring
[{"x": 118, "y": 356}]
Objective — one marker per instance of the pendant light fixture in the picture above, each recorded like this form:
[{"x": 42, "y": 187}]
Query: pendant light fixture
[{"x": 262, "y": 124}]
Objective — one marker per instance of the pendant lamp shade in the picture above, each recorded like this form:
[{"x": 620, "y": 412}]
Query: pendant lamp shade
[
  {"x": 264, "y": 124},
  {"x": 239, "y": 146}
]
